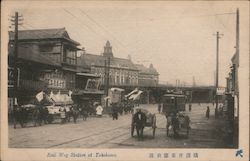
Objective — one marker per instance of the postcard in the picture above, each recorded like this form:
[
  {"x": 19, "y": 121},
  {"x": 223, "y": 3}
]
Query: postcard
[{"x": 124, "y": 80}]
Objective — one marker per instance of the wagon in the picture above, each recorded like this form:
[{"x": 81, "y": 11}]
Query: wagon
[
  {"x": 150, "y": 121},
  {"x": 174, "y": 106},
  {"x": 182, "y": 126}
]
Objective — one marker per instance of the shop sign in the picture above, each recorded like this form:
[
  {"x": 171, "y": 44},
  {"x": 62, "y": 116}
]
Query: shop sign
[{"x": 11, "y": 79}]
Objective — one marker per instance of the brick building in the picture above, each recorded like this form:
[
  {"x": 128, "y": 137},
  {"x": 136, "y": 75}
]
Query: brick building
[
  {"x": 147, "y": 76},
  {"x": 122, "y": 71}
]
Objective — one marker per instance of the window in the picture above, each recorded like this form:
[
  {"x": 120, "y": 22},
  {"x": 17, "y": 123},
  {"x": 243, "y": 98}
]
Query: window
[
  {"x": 69, "y": 56},
  {"x": 46, "y": 47}
]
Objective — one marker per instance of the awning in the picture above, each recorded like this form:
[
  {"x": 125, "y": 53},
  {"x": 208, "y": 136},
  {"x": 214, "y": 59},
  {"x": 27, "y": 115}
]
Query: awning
[
  {"x": 88, "y": 75},
  {"x": 82, "y": 92},
  {"x": 117, "y": 89},
  {"x": 136, "y": 96},
  {"x": 134, "y": 91}
]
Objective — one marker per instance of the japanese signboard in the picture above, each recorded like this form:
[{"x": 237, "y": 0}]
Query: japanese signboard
[{"x": 11, "y": 79}]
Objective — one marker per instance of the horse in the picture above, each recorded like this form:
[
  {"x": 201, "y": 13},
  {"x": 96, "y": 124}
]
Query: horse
[
  {"x": 18, "y": 116},
  {"x": 36, "y": 116}
]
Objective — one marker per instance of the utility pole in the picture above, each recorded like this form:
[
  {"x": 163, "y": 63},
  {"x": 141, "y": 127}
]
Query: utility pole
[
  {"x": 107, "y": 69},
  {"x": 194, "y": 83},
  {"x": 105, "y": 77},
  {"x": 238, "y": 35},
  {"x": 108, "y": 73},
  {"x": 236, "y": 88},
  {"x": 217, "y": 71},
  {"x": 15, "y": 21}
]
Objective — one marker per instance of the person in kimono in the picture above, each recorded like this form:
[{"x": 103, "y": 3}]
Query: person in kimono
[{"x": 99, "y": 110}]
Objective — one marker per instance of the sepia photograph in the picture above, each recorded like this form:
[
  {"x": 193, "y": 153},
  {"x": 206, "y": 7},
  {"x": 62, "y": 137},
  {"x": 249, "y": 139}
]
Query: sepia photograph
[{"x": 117, "y": 80}]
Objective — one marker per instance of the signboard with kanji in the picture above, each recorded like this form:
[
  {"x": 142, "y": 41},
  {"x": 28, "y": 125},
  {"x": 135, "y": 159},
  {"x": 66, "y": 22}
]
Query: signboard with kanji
[
  {"x": 11, "y": 79},
  {"x": 220, "y": 91}
]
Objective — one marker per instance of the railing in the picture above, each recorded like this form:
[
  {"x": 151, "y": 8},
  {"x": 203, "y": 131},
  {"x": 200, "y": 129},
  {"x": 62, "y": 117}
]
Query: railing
[{"x": 32, "y": 85}]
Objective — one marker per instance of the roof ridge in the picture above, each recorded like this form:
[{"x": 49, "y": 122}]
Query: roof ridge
[{"x": 63, "y": 28}]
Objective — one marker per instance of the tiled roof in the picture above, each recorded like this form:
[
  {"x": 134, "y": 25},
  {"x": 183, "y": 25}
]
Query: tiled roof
[
  {"x": 99, "y": 60},
  {"x": 43, "y": 34},
  {"x": 144, "y": 70},
  {"x": 32, "y": 54}
]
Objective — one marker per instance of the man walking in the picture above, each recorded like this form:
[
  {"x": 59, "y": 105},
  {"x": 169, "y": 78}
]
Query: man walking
[
  {"x": 159, "y": 108},
  {"x": 114, "y": 111},
  {"x": 190, "y": 107},
  {"x": 207, "y": 112}
]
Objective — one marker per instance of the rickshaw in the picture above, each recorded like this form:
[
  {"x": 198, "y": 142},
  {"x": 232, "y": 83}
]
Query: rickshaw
[
  {"x": 177, "y": 120},
  {"x": 150, "y": 120}
]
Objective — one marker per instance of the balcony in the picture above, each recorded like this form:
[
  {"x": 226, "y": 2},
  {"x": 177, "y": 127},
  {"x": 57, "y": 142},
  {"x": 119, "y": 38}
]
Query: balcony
[{"x": 32, "y": 85}]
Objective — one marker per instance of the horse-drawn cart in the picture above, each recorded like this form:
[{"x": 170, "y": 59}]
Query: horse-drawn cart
[
  {"x": 177, "y": 121},
  {"x": 178, "y": 125},
  {"x": 149, "y": 122}
]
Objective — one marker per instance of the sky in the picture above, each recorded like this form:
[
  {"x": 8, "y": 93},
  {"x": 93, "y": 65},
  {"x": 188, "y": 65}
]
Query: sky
[{"x": 176, "y": 37}]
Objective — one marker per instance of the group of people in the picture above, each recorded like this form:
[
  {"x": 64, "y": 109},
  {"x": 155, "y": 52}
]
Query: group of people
[
  {"x": 120, "y": 109},
  {"x": 78, "y": 110}
]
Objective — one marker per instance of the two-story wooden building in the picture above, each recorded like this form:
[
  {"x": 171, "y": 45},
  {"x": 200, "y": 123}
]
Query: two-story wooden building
[{"x": 47, "y": 60}]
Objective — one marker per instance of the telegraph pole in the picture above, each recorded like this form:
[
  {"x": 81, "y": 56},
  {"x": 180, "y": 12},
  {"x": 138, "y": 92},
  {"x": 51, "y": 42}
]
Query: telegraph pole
[
  {"x": 107, "y": 69},
  {"x": 105, "y": 78},
  {"x": 217, "y": 71},
  {"x": 15, "y": 21},
  {"x": 108, "y": 72},
  {"x": 235, "y": 69},
  {"x": 15, "y": 53},
  {"x": 238, "y": 35}
]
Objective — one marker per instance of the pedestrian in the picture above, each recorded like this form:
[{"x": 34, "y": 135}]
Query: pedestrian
[
  {"x": 159, "y": 108},
  {"x": 75, "y": 112},
  {"x": 207, "y": 112},
  {"x": 190, "y": 107},
  {"x": 216, "y": 112},
  {"x": 99, "y": 110},
  {"x": 114, "y": 111},
  {"x": 175, "y": 123},
  {"x": 63, "y": 115},
  {"x": 84, "y": 111},
  {"x": 140, "y": 121}
]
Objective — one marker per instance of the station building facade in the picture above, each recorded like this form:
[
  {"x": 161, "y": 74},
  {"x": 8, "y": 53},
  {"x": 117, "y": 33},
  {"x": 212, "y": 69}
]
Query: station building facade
[{"x": 122, "y": 72}]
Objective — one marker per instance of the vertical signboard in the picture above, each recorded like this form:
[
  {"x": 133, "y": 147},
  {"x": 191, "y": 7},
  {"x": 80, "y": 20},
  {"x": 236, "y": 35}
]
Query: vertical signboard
[{"x": 11, "y": 79}]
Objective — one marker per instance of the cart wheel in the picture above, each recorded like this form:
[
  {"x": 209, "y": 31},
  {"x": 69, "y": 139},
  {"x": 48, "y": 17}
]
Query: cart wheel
[
  {"x": 187, "y": 131},
  {"x": 154, "y": 125},
  {"x": 167, "y": 130},
  {"x": 132, "y": 126},
  {"x": 132, "y": 130},
  {"x": 154, "y": 132}
]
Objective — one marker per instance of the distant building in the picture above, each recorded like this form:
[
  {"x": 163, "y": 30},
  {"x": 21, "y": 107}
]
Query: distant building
[
  {"x": 46, "y": 60},
  {"x": 122, "y": 71},
  {"x": 147, "y": 76}
]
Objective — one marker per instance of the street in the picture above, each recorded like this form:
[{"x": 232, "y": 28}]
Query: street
[{"x": 107, "y": 133}]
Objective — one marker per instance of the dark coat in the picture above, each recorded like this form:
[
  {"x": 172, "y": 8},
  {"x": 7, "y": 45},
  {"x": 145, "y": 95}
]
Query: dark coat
[{"x": 140, "y": 119}]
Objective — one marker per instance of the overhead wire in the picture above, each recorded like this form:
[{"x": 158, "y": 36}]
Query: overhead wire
[
  {"x": 107, "y": 31},
  {"x": 80, "y": 20}
]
